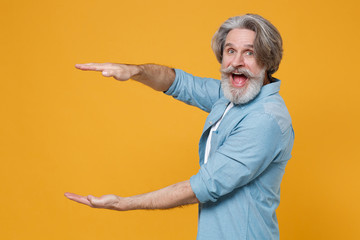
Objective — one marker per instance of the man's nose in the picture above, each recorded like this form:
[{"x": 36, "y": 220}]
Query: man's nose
[{"x": 238, "y": 61}]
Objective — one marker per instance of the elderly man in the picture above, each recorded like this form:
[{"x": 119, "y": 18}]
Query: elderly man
[{"x": 246, "y": 141}]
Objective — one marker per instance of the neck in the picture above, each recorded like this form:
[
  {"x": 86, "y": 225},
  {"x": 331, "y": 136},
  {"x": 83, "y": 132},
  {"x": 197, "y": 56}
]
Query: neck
[{"x": 266, "y": 80}]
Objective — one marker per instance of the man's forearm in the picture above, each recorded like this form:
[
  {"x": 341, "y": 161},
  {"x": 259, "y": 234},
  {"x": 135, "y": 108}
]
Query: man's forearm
[
  {"x": 172, "y": 196},
  {"x": 155, "y": 76}
]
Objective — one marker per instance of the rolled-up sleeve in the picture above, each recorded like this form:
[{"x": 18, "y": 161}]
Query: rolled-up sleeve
[
  {"x": 195, "y": 91},
  {"x": 249, "y": 149}
]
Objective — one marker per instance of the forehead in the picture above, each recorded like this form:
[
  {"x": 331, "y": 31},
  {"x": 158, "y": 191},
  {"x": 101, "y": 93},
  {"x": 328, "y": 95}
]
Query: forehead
[{"x": 240, "y": 37}]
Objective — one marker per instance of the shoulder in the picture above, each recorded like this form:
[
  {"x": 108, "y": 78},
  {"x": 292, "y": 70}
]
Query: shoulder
[{"x": 269, "y": 112}]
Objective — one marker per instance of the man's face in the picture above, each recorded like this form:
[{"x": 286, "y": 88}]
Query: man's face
[{"x": 242, "y": 77}]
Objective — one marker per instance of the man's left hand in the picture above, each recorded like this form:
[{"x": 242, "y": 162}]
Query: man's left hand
[{"x": 106, "y": 201}]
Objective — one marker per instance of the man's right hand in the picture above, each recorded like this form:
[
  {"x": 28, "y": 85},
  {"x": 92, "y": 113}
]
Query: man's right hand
[
  {"x": 155, "y": 76},
  {"x": 121, "y": 72}
]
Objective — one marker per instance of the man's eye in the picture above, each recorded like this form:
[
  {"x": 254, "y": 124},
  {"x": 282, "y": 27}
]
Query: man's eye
[
  {"x": 249, "y": 53},
  {"x": 230, "y": 51}
]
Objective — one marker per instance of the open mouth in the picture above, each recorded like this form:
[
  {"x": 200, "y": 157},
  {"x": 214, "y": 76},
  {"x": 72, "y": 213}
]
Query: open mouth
[{"x": 238, "y": 79}]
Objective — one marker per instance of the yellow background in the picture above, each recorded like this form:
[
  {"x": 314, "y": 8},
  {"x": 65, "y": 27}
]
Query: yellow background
[{"x": 66, "y": 130}]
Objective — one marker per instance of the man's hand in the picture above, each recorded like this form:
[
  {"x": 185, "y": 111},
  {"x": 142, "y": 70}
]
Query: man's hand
[
  {"x": 121, "y": 72},
  {"x": 106, "y": 201},
  {"x": 155, "y": 76}
]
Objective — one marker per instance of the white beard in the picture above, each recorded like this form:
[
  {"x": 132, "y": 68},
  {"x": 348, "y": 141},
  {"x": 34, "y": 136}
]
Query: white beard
[{"x": 246, "y": 93}]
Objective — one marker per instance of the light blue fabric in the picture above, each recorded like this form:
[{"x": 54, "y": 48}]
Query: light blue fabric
[{"x": 239, "y": 186}]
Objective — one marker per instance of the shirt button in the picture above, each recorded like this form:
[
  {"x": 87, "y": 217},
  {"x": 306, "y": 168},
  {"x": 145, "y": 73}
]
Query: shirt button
[{"x": 210, "y": 122}]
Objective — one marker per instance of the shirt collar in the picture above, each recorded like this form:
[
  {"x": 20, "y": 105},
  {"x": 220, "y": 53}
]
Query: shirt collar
[{"x": 269, "y": 89}]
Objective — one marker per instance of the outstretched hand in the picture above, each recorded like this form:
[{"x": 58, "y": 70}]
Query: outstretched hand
[
  {"x": 106, "y": 201},
  {"x": 121, "y": 72},
  {"x": 157, "y": 77}
]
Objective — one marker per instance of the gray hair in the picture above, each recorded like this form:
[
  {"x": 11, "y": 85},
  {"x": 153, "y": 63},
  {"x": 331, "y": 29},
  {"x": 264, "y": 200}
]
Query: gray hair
[{"x": 267, "y": 43}]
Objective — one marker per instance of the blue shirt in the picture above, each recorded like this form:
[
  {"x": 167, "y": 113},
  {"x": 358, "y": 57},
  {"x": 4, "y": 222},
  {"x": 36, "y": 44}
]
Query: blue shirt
[{"x": 239, "y": 187}]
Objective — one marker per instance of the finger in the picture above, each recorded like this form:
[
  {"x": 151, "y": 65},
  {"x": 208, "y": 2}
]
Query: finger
[
  {"x": 93, "y": 66},
  {"x": 96, "y": 202},
  {"x": 109, "y": 201},
  {"x": 78, "y": 198},
  {"x": 89, "y": 67},
  {"x": 108, "y": 73},
  {"x": 117, "y": 74}
]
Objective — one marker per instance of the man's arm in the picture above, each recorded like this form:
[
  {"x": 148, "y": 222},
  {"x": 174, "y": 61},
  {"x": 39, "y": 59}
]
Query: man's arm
[
  {"x": 155, "y": 76},
  {"x": 172, "y": 196}
]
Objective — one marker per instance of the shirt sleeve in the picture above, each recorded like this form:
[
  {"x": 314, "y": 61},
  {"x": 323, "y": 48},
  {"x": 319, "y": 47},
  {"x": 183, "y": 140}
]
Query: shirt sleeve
[
  {"x": 195, "y": 91},
  {"x": 244, "y": 155}
]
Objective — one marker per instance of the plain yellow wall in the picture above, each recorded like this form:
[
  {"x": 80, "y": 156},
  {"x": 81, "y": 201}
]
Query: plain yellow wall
[{"x": 66, "y": 130}]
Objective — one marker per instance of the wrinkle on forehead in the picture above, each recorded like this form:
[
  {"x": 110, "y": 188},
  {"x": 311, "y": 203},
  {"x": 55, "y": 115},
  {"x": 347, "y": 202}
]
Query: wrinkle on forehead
[{"x": 240, "y": 37}]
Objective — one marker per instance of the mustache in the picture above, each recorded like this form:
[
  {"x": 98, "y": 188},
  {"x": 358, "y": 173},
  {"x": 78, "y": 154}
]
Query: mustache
[{"x": 232, "y": 69}]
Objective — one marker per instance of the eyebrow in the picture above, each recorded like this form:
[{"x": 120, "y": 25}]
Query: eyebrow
[
  {"x": 229, "y": 44},
  {"x": 246, "y": 45}
]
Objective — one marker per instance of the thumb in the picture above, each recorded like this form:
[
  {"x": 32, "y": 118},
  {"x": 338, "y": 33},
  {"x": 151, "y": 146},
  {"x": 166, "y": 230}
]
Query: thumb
[
  {"x": 94, "y": 201},
  {"x": 107, "y": 73}
]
